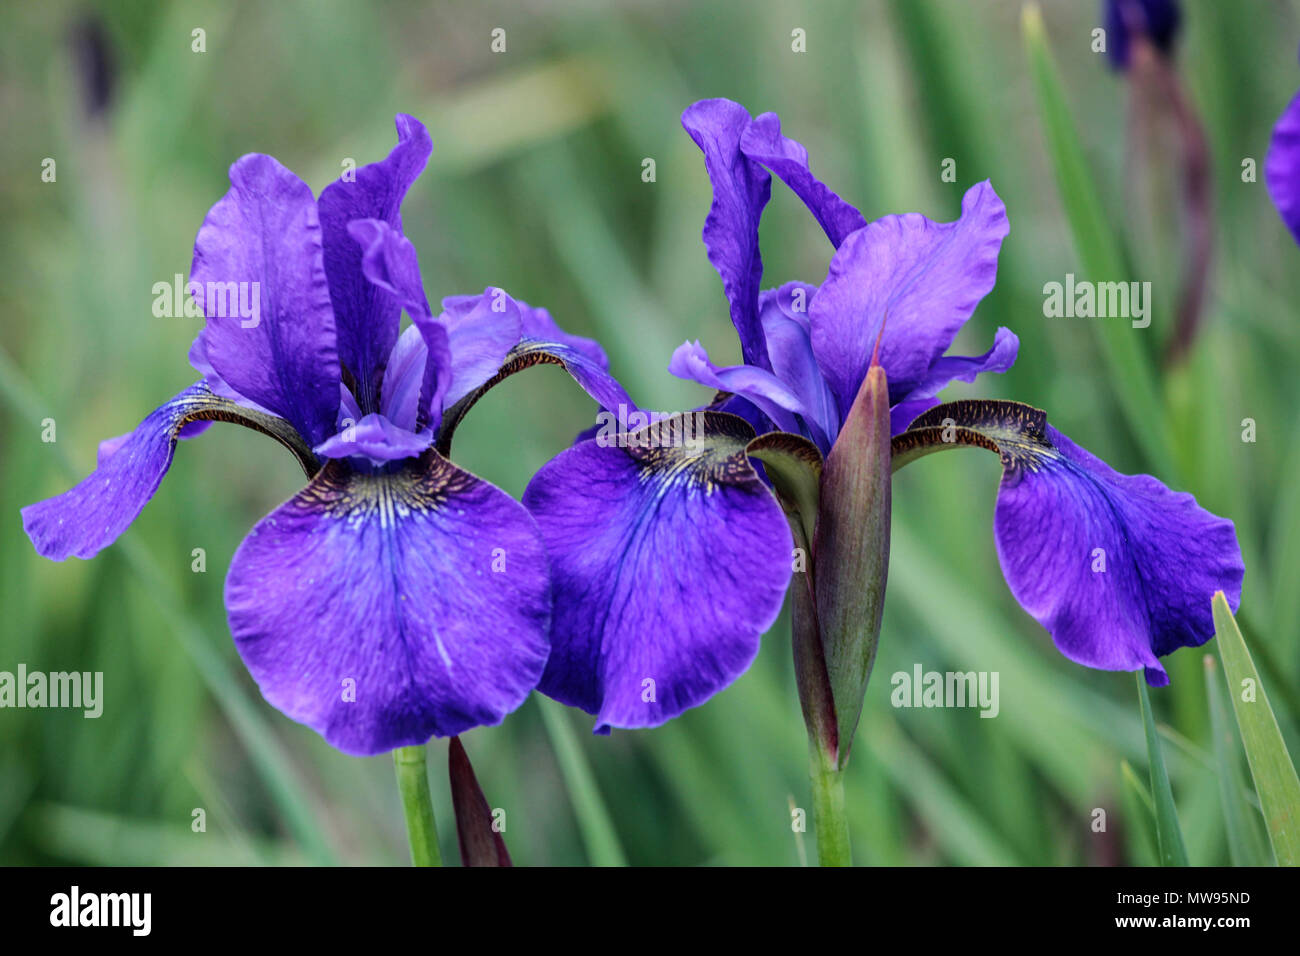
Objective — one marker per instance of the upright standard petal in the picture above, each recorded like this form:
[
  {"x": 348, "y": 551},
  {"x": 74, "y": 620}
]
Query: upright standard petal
[
  {"x": 1282, "y": 166},
  {"x": 368, "y": 318},
  {"x": 763, "y": 142},
  {"x": 741, "y": 189},
  {"x": 926, "y": 277},
  {"x": 669, "y": 558},
  {"x": 260, "y": 246},
  {"x": 199, "y": 362},
  {"x": 480, "y": 330},
  {"x": 389, "y": 261},
  {"x": 784, "y": 313},
  {"x": 382, "y": 610},
  {"x": 89, "y": 517},
  {"x": 404, "y": 377},
  {"x": 1118, "y": 568}
]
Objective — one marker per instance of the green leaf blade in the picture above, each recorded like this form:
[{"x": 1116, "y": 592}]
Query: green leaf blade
[
  {"x": 1270, "y": 764},
  {"x": 1098, "y": 248},
  {"x": 594, "y": 820},
  {"x": 1169, "y": 834}
]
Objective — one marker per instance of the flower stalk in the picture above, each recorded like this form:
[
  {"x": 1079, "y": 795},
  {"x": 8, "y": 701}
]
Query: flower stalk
[
  {"x": 417, "y": 804},
  {"x": 829, "y": 817},
  {"x": 829, "y": 820}
]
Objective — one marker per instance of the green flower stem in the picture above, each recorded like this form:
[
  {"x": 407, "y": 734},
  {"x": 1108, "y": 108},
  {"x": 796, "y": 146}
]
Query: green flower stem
[
  {"x": 417, "y": 804},
  {"x": 829, "y": 819}
]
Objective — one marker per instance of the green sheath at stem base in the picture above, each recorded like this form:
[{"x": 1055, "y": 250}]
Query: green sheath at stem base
[{"x": 417, "y": 804}]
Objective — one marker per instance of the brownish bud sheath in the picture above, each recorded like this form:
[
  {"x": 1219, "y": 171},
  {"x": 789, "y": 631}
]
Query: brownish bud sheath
[{"x": 480, "y": 843}]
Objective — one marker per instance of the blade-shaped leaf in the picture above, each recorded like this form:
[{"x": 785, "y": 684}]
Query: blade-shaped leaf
[
  {"x": 1097, "y": 246},
  {"x": 1270, "y": 764},
  {"x": 594, "y": 823},
  {"x": 1245, "y": 845},
  {"x": 1169, "y": 835},
  {"x": 1140, "y": 815}
]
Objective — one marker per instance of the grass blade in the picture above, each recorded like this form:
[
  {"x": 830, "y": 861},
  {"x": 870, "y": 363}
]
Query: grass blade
[
  {"x": 1245, "y": 845},
  {"x": 1139, "y": 815},
  {"x": 1169, "y": 835},
  {"x": 594, "y": 822},
  {"x": 1270, "y": 764},
  {"x": 1097, "y": 246},
  {"x": 265, "y": 751}
]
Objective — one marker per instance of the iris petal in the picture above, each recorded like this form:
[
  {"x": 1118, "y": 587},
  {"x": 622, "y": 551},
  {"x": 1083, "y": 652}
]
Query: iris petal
[
  {"x": 381, "y": 610},
  {"x": 1119, "y": 569},
  {"x": 741, "y": 189},
  {"x": 390, "y": 262},
  {"x": 1155, "y": 20},
  {"x": 368, "y": 318},
  {"x": 1000, "y": 357},
  {"x": 403, "y": 379},
  {"x": 762, "y": 142},
  {"x": 760, "y": 387},
  {"x": 668, "y": 563},
  {"x": 198, "y": 357},
  {"x": 591, "y": 374},
  {"x": 481, "y": 330},
  {"x": 538, "y": 325},
  {"x": 784, "y": 313},
  {"x": 376, "y": 438},
  {"x": 89, "y": 517},
  {"x": 926, "y": 277},
  {"x": 261, "y": 243}
]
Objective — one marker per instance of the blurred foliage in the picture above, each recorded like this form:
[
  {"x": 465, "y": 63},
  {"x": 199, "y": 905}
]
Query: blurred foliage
[{"x": 535, "y": 185}]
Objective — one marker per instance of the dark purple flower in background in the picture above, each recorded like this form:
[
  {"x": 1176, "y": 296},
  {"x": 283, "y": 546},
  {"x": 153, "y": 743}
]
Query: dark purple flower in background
[
  {"x": 397, "y": 596},
  {"x": 1157, "y": 21},
  {"x": 668, "y": 562},
  {"x": 1282, "y": 166},
  {"x": 1168, "y": 166}
]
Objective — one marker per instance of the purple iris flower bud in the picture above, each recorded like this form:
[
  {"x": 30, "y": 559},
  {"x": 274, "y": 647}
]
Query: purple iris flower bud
[
  {"x": 1155, "y": 20},
  {"x": 669, "y": 562},
  {"x": 397, "y": 596}
]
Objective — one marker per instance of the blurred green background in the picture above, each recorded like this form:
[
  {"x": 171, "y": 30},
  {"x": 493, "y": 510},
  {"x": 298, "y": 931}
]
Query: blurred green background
[{"x": 535, "y": 185}]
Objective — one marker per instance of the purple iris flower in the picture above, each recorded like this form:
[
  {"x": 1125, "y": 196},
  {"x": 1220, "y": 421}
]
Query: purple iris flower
[
  {"x": 670, "y": 561},
  {"x": 1155, "y": 20},
  {"x": 1282, "y": 166},
  {"x": 397, "y": 596}
]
